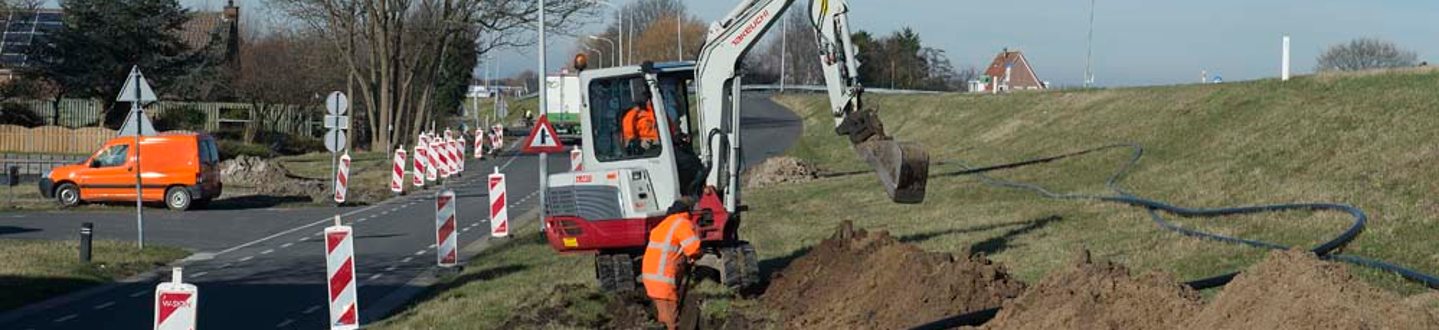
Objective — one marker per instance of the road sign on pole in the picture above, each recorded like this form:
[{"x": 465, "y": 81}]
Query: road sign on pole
[
  {"x": 175, "y": 304},
  {"x": 138, "y": 92},
  {"x": 446, "y": 236},
  {"x": 340, "y": 273},
  {"x": 543, "y": 138}
]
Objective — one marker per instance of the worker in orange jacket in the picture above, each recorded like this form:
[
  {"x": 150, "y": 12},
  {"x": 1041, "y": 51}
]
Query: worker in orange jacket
[
  {"x": 673, "y": 244},
  {"x": 639, "y": 126}
]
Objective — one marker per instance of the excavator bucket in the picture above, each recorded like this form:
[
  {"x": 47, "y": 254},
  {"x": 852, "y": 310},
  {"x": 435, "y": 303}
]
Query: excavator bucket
[{"x": 903, "y": 168}]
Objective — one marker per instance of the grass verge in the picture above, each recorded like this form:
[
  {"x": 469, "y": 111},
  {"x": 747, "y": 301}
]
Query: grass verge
[{"x": 37, "y": 270}]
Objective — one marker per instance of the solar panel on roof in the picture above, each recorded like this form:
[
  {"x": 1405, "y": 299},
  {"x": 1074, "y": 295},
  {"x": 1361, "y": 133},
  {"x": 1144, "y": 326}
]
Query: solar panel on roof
[{"x": 19, "y": 30}]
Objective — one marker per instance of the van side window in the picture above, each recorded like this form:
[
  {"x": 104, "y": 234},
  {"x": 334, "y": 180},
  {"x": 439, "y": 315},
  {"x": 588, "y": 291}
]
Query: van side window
[
  {"x": 208, "y": 154},
  {"x": 114, "y": 156}
]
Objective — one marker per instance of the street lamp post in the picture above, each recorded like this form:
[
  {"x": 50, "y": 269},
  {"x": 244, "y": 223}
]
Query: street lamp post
[
  {"x": 597, "y": 51},
  {"x": 618, "y": 60},
  {"x": 620, "y": 19}
]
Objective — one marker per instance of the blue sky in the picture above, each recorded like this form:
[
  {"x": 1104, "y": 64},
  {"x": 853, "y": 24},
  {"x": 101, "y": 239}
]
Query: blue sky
[{"x": 1137, "y": 42}]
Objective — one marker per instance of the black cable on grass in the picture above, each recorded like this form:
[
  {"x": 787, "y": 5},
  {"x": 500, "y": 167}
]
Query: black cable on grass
[{"x": 1324, "y": 250}]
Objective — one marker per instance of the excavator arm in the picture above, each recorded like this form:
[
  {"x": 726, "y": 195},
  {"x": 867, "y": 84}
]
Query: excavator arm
[{"x": 902, "y": 167}]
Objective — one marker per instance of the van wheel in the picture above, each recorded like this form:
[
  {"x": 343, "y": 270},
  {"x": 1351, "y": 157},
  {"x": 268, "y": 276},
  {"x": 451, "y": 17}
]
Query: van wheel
[
  {"x": 178, "y": 198},
  {"x": 68, "y": 195}
]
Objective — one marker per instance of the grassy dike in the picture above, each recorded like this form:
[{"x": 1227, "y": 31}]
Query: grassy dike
[{"x": 1361, "y": 139}]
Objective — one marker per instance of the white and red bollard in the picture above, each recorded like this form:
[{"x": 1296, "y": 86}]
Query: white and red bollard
[
  {"x": 432, "y": 160},
  {"x": 175, "y": 304},
  {"x": 419, "y": 177},
  {"x": 437, "y": 148},
  {"x": 447, "y": 236},
  {"x": 463, "y": 147},
  {"x": 397, "y": 178},
  {"x": 342, "y": 178},
  {"x": 577, "y": 160},
  {"x": 499, "y": 210},
  {"x": 340, "y": 271},
  {"x": 497, "y": 138}
]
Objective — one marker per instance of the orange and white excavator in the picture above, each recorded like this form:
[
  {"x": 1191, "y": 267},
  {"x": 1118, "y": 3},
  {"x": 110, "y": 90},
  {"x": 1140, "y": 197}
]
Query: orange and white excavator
[{"x": 624, "y": 190}]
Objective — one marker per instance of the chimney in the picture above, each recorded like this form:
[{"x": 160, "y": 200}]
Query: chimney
[{"x": 232, "y": 13}]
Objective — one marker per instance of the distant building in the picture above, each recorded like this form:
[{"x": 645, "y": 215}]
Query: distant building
[
  {"x": 217, "y": 32},
  {"x": 1010, "y": 70}
]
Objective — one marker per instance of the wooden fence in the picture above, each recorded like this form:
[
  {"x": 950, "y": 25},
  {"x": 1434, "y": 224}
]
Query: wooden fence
[
  {"x": 291, "y": 119},
  {"x": 53, "y": 139}
]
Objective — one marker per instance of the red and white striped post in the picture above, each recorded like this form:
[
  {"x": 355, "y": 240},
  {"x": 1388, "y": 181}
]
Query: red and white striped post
[
  {"x": 340, "y": 271},
  {"x": 419, "y": 177},
  {"x": 454, "y": 156},
  {"x": 497, "y": 138},
  {"x": 463, "y": 147},
  {"x": 499, "y": 211},
  {"x": 577, "y": 160},
  {"x": 479, "y": 143},
  {"x": 175, "y": 304},
  {"x": 432, "y": 160},
  {"x": 397, "y": 178},
  {"x": 446, "y": 236},
  {"x": 437, "y": 148},
  {"x": 342, "y": 178}
]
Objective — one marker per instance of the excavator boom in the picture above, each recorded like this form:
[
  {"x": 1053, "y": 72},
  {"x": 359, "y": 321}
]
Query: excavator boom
[{"x": 903, "y": 167}]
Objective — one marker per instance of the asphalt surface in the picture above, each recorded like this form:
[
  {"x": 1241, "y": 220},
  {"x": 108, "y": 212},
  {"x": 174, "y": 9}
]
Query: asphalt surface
[{"x": 264, "y": 268}]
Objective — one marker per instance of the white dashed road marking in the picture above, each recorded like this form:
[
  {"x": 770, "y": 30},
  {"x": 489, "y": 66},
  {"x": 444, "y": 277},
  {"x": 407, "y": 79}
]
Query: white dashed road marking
[
  {"x": 284, "y": 323},
  {"x": 312, "y": 309},
  {"x": 105, "y": 305},
  {"x": 247, "y": 258},
  {"x": 66, "y": 318},
  {"x": 139, "y": 293}
]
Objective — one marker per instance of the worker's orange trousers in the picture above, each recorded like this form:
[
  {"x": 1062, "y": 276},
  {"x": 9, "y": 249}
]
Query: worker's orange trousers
[{"x": 667, "y": 311}]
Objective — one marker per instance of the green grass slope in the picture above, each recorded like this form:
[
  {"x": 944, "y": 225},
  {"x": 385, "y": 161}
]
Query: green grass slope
[{"x": 1363, "y": 139}]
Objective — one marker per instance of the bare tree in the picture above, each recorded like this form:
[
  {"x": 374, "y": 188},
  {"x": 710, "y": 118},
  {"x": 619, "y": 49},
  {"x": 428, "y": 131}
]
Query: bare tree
[{"x": 1365, "y": 54}]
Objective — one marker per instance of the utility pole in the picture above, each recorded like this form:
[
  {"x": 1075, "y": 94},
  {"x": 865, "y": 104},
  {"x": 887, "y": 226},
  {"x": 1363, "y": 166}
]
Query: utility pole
[
  {"x": 783, "y": 51},
  {"x": 1089, "y": 61},
  {"x": 679, "y": 35},
  {"x": 544, "y": 108}
]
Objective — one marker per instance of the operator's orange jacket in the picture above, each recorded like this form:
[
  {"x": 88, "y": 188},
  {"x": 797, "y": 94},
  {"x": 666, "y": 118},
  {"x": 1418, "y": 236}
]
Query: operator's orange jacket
[
  {"x": 639, "y": 124},
  {"x": 671, "y": 242}
]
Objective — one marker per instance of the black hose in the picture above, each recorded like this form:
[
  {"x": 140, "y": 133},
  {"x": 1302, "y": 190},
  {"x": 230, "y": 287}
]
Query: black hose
[{"x": 1153, "y": 207}]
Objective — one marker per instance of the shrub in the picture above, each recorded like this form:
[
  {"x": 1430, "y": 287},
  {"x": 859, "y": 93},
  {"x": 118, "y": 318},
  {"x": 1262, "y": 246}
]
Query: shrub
[
  {"x": 231, "y": 148},
  {"x": 186, "y": 118},
  {"x": 19, "y": 114}
]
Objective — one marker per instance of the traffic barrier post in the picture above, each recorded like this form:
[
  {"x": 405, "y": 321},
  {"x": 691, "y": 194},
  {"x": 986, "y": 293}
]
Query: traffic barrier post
[
  {"x": 419, "y": 178},
  {"x": 499, "y": 210},
  {"x": 175, "y": 303},
  {"x": 446, "y": 236},
  {"x": 340, "y": 274},
  {"x": 577, "y": 160},
  {"x": 342, "y": 178},
  {"x": 397, "y": 178}
]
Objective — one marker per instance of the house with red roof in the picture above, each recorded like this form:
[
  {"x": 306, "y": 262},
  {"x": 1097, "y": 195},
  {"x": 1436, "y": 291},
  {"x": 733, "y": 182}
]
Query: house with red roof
[{"x": 1009, "y": 71}]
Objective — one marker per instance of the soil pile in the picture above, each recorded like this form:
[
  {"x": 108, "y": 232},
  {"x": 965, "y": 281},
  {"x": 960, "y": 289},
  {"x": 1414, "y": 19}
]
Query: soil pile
[
  {"x": 579, "y": 306},
  {"x": 778, "y": 170},
  {"x": 1100, "y": 295},
  {"x": 861, "y": 280},
  {"x": 269, "y": 178},
  {"x": 1295, "y": 290}
]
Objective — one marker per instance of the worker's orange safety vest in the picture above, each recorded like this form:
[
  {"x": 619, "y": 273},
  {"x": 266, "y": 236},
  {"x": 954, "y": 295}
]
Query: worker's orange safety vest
[
  {"x": 671, "y": 241},
  {"x": 640, "y": 124}
]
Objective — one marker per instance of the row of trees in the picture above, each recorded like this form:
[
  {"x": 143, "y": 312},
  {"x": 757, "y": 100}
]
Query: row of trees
[
  {"x": 404, "y": 62},
  {"x": 650, "y": 28},
  {"x": 899, "y": 60}
]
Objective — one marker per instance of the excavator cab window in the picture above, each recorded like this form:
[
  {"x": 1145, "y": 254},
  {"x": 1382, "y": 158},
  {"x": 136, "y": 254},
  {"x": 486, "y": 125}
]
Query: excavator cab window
[{"x": 611, "y": 101}]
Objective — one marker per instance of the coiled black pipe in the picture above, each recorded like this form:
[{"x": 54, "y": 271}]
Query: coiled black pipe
[{"x": 1324, "y": 250}]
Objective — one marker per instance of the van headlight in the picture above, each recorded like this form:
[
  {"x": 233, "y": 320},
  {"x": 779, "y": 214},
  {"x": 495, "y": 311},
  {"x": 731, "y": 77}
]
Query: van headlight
[{"x": 47, "y": 173}]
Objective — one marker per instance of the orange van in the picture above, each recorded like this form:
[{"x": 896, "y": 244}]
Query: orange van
[{"x": 178, "y": 168}]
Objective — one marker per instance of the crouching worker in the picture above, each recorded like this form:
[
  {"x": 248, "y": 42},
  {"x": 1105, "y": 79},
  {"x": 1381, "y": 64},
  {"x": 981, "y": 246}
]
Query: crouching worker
[{"x": 673, "y": 245}]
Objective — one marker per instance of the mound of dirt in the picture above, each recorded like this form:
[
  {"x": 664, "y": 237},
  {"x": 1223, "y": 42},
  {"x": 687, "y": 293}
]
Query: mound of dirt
[
  {"x": 1295, "y": 290},
  {"x": 778, "y": 170},
  {"x": 1100, "y": 295},
  {"x": 861, "y": 280},
  {"x": 579, "y": 306},
  {"x": 269, "y": 178}
]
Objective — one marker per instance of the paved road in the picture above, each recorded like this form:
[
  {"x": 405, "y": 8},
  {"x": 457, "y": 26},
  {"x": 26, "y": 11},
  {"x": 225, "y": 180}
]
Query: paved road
[{"x": 264, "y": 268}]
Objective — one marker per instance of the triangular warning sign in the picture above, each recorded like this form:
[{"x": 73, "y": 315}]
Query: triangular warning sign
[
  {"x": 136, "y": 88},
  {"x": 542, "y": 139}
]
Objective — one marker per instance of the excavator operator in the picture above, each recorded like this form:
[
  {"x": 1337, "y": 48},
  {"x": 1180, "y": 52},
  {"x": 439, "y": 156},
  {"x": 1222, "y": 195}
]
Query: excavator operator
[
  {"x": 641, "y": 133},
  {"x": 673, "y": 244}
]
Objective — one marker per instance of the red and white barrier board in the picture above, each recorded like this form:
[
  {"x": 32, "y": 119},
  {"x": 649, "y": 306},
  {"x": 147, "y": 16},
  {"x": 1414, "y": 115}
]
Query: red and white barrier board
[
  {"x": 497, "y": 138},
  {"x": 397, "y": 176},
  {"x": 457, "y": 148},
  {"x": 432, "y": 160},
  {"x": 447, "y": 237},
  {"x": 419, "y": 177},
  {"x": 175, "y": 304},
  {"x": 342, "y": 178},
  {"x": 340, "y": 268},
  {"x": 463, "y": 147},
  {"x": 577, "y": 160},
  {"x": 455, "y": 158},
  {"x": 442, "y": 164},
  {"x": 499, "y": 210}
]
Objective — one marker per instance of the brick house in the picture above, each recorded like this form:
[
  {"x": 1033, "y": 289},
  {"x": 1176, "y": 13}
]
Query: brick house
[{"x": 1010, "y": 70}]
